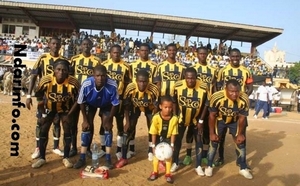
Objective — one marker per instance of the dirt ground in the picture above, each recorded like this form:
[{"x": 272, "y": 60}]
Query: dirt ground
[{"x": 272, "y": 153}]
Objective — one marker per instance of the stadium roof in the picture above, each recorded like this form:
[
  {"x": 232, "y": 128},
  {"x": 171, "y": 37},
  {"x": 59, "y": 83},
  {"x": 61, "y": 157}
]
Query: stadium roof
[{"x": 51, "y": 16}]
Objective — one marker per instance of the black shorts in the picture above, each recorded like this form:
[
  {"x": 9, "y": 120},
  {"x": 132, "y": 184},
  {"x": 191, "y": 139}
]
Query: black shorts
[{"x": 106, "y": 111}]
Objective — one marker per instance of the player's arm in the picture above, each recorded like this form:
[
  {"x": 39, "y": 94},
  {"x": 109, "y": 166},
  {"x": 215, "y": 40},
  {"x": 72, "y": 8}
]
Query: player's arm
[
  {"x": 173, "y": 94},
  {"x": 213, "y": 110},
  {"x": 154, "y": 72},
  {"x": 127, "y": 106},
  {"x": 115, "y": 101},
  {"x": 72, "y": 67},
  {"x": 214, "y": 83},
  {"x": 243, "y": 113},
  {"x": 249, "y": 84},
  {"x": 157, "y": 79},
  {"x": 127, "y": 79},
  {"x": 36, "y": 70},
  {"x": 82, "y": 97},
  {"x": 154, "y": 131},
  {"x": 174, "y": 131},
  {"x": 75, "y": 96},
  {"x": 219, "y": 80},
  {"x": 155, "y": 95},
  {"x": 40, "y": 93}
]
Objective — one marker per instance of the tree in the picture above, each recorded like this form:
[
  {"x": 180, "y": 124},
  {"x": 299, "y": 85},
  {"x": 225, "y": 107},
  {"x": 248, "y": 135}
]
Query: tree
[{"x": 294, "y": 74}]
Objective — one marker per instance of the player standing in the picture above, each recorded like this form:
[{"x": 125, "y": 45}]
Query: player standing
[
  {"x": 60, "y": 91},
  {"x": 119, "y": 71},
  {"x": 83, "y": 65},
  {"x": 43, "y": 67}
]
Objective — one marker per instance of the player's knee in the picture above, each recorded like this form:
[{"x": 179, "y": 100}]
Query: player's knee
[{"x": 85, "y": 138}]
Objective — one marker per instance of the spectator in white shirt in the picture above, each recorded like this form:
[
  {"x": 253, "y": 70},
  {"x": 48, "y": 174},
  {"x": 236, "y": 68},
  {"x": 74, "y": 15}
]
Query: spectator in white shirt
[
  {"x": 263, "y": 100},
  {"x": 272, "y": 91}
]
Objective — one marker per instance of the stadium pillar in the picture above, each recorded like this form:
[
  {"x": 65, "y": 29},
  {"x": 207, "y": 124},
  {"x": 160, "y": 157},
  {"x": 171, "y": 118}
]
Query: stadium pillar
[
  {"x": 220, "y": 45},
  {"x": 252, "y": 50},
  {"x": 186, "y": 43}
]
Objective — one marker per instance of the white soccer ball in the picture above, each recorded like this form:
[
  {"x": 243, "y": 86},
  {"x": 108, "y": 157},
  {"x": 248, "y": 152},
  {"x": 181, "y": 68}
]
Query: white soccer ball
[{"x": 163, "y": 151}]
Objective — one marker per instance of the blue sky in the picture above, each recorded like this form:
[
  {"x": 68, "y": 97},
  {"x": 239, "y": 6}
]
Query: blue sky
[{"x": 270, "y": 13}]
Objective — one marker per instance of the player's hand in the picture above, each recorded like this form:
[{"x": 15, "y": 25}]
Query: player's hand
[
  {"x": 214, "y": 137},
  {"x": 240, "y": 138},
  {"x": 200, "y": 128},
  {"x": 85, "y": 126},
  {"x": 28, "y": 103}
]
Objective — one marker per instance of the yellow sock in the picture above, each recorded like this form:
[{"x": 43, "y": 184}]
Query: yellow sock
[
  {"x": 168, "y": 166},
  {"x": 155, "y": 164}
]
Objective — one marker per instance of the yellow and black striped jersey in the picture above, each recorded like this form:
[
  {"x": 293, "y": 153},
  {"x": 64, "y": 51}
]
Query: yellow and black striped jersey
[
  {"x": 159, "y": 125},
  {"x": 190, "y": 101},
  {"x": 226, "y": 109},
  {"x": 44, "y": 65},
  {"x": 149, "y": 66},
  {"x": 207, "y": 74},
  {"x": 241, "y": 74},
  {"x": 119, "y": 72},
  {"x": 144, "y": 101},
  {"x": 59, "y": 97},
  {"x": 83, "y": 66},
  {"x": 167, "y": 74}
]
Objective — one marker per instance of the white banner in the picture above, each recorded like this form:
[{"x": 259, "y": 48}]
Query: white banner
[{"x": 33, "y": 55}]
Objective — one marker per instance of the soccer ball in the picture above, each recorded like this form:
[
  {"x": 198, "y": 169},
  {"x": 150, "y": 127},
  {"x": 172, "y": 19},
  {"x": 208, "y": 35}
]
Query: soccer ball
[{"x": 163, "y": 151}]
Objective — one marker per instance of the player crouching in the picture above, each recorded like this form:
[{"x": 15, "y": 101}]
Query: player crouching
[{"x": 60, "y": 91}]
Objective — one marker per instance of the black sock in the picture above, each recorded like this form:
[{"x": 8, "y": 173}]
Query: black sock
[
  {"x": 56, "y": 143},
  {"x": 42, "y": 146},
  {"x": 37, "y": 143},
  {"x": 189, "y": 152},
  {"x": 67, "y": 142},
  {"x": 119, "y": 149},
  {"x": 124, "y": 152},
  {"x": 204, "y": 154},
  {"x": 132, "y": 148}
]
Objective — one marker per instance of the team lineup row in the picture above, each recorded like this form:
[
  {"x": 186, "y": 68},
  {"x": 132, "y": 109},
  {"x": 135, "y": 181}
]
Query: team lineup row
[{"x": 162, "y": 92}]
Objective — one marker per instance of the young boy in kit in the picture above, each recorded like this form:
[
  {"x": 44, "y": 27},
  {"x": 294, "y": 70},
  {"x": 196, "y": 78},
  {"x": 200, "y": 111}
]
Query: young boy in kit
[{"x": 164, "y": 127}]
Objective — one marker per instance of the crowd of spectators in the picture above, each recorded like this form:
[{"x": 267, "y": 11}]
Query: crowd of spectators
[{"x": 218, "y": 55}]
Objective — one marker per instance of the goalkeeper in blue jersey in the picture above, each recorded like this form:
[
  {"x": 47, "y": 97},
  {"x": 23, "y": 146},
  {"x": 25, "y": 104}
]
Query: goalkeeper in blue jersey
[{"x": 97, "y": 91}]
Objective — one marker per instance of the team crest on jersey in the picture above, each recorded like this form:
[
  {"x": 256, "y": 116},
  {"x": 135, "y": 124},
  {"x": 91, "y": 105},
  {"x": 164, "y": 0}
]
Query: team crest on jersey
[
  {"x": 140, "y": 102},
  {"x": 204, "y": 78},
  {"x": 170, "y": 76},
  {"x": 240, "y": 79},
  {"x": 229, "y": 112},
  {"x": 115, "y": 75},
  {"x": 189, "y": 102},
  {"x": 84, "y": 70},
  {"x": 56, "y": 97}
]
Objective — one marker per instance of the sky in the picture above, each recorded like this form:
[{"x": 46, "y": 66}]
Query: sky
[{"x": 269, "y": 13}]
